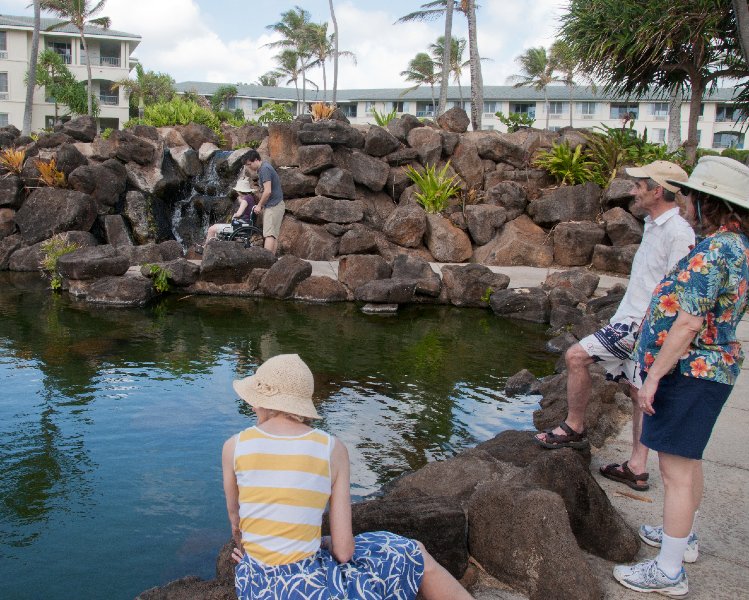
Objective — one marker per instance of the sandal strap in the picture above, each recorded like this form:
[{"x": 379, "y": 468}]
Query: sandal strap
[
  {"x": 569, "y": 435},
  {"x": 635, "y": 476}
]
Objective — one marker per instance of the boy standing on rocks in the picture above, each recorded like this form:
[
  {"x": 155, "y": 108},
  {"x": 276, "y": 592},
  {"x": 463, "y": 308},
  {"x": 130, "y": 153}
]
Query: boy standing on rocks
[
  {"x": 271, "y": 202},
  {"x": 667, "y": 238}
]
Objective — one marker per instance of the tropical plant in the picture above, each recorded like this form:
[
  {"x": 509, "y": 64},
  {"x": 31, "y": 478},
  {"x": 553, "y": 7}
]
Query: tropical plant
[
  {"x": 735, "y": 154},
  {"x": 160, "y": 277},
  {"x": 321, "y": 111},
  {"x": 682, "y": 42},
  {"x": 564, "y": 60},
  {"x": 515, "y": 121},
  {"x": 421, "y": 71},
  {"x": 106, "y": 133},
  {"x": 148, "y": 87},
  {"x": 31, "y": 77},
  {"x": 222, "y": 95},
  {"x": 12, "y": 160},
  {"x": 177, "y": 111},
  {"x": 61, "y": 85},
  {"x": 49, "y": 174},
  {"x": 457, "y": 64},
  {"x": 290, "y": 66},
  {"x": 269, "y": 79},
  {"x": 435, "y": 187},
  {"x": 322, "y": 47},
  {"x": 383, "y": 118},
  {"x": 537, "y": 71},
  {"x": 274, "y": 112},
  {"x": 53, "y": 249},
  {"x": 79, "y": 14},
  {"x": 566, "y": 165}
]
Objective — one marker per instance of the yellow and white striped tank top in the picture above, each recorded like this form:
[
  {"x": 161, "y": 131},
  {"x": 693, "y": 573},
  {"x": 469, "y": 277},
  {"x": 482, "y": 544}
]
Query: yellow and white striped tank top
[{"x": 284, "y": 485}]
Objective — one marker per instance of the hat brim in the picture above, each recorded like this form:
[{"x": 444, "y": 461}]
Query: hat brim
[
  {"x": 712, "y": 191},
  {"x": 296, "y": 405},
  {"x": 641, "y": 173}
]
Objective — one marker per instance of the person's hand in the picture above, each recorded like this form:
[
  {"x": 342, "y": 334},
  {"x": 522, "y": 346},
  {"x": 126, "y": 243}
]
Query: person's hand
[
  {"x": 646, "y": 395},
  {"x": 236, "y": 223},
  {"x": 237, "y": 555},
  {"x": 256, "y": 209}
]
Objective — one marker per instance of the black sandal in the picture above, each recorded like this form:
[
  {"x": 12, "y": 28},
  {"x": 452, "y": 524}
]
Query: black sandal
[
  {"x": 623, "y": 474},
  {"x": 569, "y": 439}
]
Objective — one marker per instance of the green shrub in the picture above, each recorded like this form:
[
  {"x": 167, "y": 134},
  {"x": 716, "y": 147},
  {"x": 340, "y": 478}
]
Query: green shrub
[
  {"x": 251, "y": 144},
  {"x": 274, "y": 112},
  {"x": 515, "y": 121},
  {"x": 53, "y": 249},
  {"x": 736, "y": 154},
  {"x": 383, "y": 118},
  {"x": 436, "y": 188},
  {"x": 177, "y": 111},
  {"x": 566, "y": 165},
  {"x": 160, "y": 277},
  {"x": 106, "y": 133}
]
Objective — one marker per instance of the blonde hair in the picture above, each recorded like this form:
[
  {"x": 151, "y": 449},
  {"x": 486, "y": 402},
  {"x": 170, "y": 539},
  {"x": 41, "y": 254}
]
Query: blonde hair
[{"x": 275, "y": 413}]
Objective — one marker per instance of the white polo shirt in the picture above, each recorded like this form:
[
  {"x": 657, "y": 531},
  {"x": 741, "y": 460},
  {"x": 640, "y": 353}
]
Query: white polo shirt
[{"x": 665, "y": 241}]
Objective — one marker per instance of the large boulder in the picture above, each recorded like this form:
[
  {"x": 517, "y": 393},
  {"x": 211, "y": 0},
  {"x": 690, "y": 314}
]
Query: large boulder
[
  {"x": 472, "y": 285},
  {"x": 335, "y": 133},
  {"x": 315, "y": 159},
  {"x": 621, "y": 227},
  {"x": 379, "y": 141},
  {"x": 283, "y": 143},
  {"x": 187, "y": 160},
  {"x": 116, "y": 232},
  {"x": 358, "y": 240},
  {"x": 48, "y": 211},
  {"x": 618, "y": 192},
  {"x": 483, "y": 221},
  {"x": 29, "y": 258},
  {"x": 400, "y": 128},
  {"x": 152, "y": 253},
  {"x": 527, "y": 304},
  {"x": 180, "y": 272},
  {"x": 366, "y": 170},
  {"x": 616, "y": 259},
  {"x": 574, "y": 242},
  {"x": 467, "y": 163},
  {"x": 406, "y": 226},
  {"x": 196, "y": 135},
  {"x": 245, "y": 136},
  {"x": 378, "y": 206},
  {"x": 11, "y": 187},
  {"x": 320, "y": 290},
  {"x": 336, "y": 183},
  {"x": 413, "y": 268},
  {"x": 398, "y": 181},
  {"x": 7, "y": 222},
  {"x": 82, "y": 129},
  {"x": 229, "y": 262},
  {"x": 428, "y": 144},
  {"x": 305, "y": 240},
  {"x": 329, "y": 210},
  {"x": 522, "y": 536},
  {"x": 520, "y": 242},
  {"x": 446, "y": 242},
  {"x": 69, "y": 158},
  {"x": 296, "y": 184},
  {"x": 578, "y": 280},
  {"x": 92, "y": 262},
  {"x": 8, "y": 247},
  {"x": 386, "y": 291},
  {"x": 105, "y": 182},
  {"x": 138, "y": 213},
  {"x": 120, "y": 291},
  {"x": 567, "y": 203},
  {"x": 357, "y": 269},
  {"x": 284, "y": 275},
  {"x": 454, "y": 119}
]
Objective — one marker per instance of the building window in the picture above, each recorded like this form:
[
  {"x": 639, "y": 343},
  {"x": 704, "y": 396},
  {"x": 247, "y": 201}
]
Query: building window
[
  {"x": 658, "y": 136},
  {"x": 348, "y": 109},
  {"x": 369, "y": 106},
  {"x": 659, "y": 109},
  {"x": 3, "y": 119},
  {"x": 108, "y": 94},
  {"x": 232, "y": 103},
  {"x": 4, "y": 86},
  {"x": 557, "y": 108},
  {"x": 394, "y": 106},
  {"x": 424, "y": 109},
  {"x": 586, "y": 109},
  {"x": 555, "y": 128},
  {"x": 3, "y": 44},
  {"x": 728, "y": 112},
  {"x": 63, "y": 49},
  {"x": 523, "y": 109},
  {"x": 625, "y": 111},
  {"x": 490, "y": 108},
  {"x": 728, "y": 139},
  {"x": 49, "y": 121}
]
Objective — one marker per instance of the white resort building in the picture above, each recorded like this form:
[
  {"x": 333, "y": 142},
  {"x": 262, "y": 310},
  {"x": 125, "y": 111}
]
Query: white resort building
[
  {"x": 109, "y": 51},
  {"x": 720, "y": 125}
]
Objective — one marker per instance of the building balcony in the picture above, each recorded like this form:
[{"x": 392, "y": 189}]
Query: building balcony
[
  {"x": 108, "y": 100},
  {"x": 109, "y": 61},
  {"x": 424, "y": 113}
]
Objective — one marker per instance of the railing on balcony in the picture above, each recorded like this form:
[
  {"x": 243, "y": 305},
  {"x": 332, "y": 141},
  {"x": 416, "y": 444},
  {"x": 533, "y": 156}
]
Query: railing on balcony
[
  {"x": 109, "y": 100},
  {"x": 424, "y": 113},
  {"x": 109, "y": 61}
]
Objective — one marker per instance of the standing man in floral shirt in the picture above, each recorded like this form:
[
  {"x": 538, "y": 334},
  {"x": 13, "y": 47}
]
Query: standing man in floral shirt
[{"x": 667, "y": 238}]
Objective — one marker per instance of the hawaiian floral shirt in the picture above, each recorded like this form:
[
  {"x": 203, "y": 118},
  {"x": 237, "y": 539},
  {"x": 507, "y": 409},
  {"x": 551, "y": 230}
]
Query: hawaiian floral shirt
[{"x": 710, "y": 282}]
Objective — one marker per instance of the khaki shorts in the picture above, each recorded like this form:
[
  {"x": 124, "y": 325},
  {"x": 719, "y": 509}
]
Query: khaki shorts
[{"x": 272, "y": 217}]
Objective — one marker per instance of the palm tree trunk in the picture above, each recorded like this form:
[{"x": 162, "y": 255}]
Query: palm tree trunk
[
  {"x": 31, "y": 83},
  {"x": 477, "y": 86},
  {"x": 698, "y": 89},
  {"x": 434, "y": 101},
  {"x": 460, "y": 90},
  {"x": 569, "y": 86},
  {"x": 324, "y": 84},
  {"x": 674, "y": 118},
  {"x": 304, "y": 89},
  {"x": 546, "y": 107},
  {"x": 741, "y": 8},
  {"x": 89, "y": 103},
  {"x": 335, "y": 50},
  {"x": 446, "y": 50}
]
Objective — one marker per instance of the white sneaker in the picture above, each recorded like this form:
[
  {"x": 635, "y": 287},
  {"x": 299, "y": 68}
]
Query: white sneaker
[
  {"x": 653, "y": 536},
  {"x": 648, "y": 577}
]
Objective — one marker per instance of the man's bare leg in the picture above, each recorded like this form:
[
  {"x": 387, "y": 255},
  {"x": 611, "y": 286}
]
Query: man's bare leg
[
  {"x": 270, "y": 243},
  {"x": 579, "y": 384}
]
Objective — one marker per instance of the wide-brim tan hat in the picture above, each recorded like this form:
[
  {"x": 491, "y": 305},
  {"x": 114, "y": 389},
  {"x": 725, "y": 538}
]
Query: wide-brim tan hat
[
  {"x": 243, "y": 186},
  {"x": 721, "y": 177},
  {"x": 283, "y": 383},
  {"x": 662, "y": 172}
]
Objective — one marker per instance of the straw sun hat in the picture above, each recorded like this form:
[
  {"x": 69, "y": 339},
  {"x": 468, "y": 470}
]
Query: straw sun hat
[
  {"x": 721, "y": 177},
  {"x": 243, "y": 186},
  {"x": 283, "y": 383}
]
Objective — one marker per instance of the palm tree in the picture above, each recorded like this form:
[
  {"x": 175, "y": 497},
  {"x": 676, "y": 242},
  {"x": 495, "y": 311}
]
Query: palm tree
[
  {"x": 294, "y": 27},
  {"x": 31, "y": 79},
  {"x": 322, "y": 47},
  {"x": 147, "y": 88},
  {"x": 421, "y": 70},
  {"x": 289, "y": 66},
  {"x": 446, "y": 57},
  {"x": 269, "y": 79},
  {"x": 561, "y": 55},
  {"x": 335, "y": 50},
  {"x": 457, "y": 64},
  {"x": 134, "y": 87},
  {"x": 537, "y": 72},
  {"x": 78, "y": 13}
]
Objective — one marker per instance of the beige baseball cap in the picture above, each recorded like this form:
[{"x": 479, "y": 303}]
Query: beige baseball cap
[{"x": 660, "y": 171}]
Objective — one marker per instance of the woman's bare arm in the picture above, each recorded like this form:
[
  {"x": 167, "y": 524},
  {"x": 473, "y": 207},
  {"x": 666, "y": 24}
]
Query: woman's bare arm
[
  {"x": 231, "y": 490},
  {"x": 341, "y": 536}
]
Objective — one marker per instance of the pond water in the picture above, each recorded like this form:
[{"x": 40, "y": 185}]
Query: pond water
[{"x": 112, "y": 420}]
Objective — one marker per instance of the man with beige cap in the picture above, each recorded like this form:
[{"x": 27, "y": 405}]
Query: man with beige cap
[{"x": 667, "y": 238}]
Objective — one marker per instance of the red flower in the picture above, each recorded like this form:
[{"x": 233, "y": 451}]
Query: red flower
[
  {"x": 684, "y": 276},
  {"x": 697, "y": 262},
  {"x": 699, "y": 367},
  {"x": 661, "y": 338},
  {"x": 668, "y": 305},
  {"x": 649, "y": 359},
  {"x": 728, "y": 359}
]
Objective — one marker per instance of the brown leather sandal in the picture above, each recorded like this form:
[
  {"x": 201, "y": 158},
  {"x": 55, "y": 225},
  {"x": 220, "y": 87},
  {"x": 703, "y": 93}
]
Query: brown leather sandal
[
  {"x": 569, "y": 439},
  {"x": 623, "y": 474}
]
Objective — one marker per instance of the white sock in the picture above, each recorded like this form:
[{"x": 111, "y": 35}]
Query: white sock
[{"x": 671, "y": 554}]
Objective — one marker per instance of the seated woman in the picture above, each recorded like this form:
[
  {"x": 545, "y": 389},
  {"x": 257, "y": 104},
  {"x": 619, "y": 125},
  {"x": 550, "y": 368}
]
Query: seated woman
[
  {"x": 246, "y": 202},
  {"x": 278, "y": 478}
]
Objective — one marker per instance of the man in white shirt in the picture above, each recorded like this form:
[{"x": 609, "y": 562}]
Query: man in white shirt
[{"x": 667, "y": 238}]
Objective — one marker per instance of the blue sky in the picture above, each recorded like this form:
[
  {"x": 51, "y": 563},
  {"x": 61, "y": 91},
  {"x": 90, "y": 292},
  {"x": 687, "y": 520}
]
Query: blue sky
[{"x": 223, "y": 40}]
